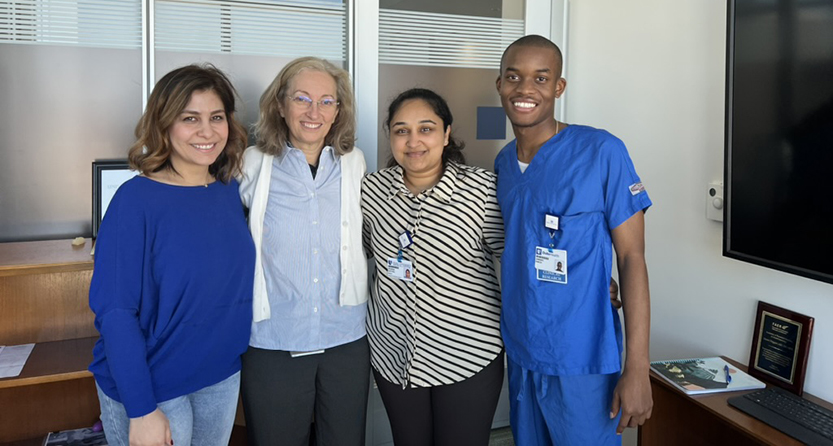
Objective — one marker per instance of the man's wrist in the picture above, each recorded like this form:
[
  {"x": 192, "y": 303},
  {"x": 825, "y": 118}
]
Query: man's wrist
[{"x": 637, "y": 366}]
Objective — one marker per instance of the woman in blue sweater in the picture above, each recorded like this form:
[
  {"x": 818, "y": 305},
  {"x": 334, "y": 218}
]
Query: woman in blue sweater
[{"x": 174, "y": 264}]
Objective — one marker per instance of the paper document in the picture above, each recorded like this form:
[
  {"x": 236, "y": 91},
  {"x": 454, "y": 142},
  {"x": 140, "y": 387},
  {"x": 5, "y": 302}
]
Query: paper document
[{"x": 13, "y": 358}]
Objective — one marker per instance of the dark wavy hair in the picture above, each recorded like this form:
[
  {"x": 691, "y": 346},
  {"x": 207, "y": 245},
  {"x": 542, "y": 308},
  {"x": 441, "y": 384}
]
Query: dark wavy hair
[
  {"x": 152, "y": 150},
  {"x": 451, "y": 152}
]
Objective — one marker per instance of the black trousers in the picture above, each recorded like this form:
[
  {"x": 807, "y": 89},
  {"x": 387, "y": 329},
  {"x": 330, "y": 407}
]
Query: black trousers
[
  {"x": 458, "y": 414},
  {"x": 282, "y": 396}
]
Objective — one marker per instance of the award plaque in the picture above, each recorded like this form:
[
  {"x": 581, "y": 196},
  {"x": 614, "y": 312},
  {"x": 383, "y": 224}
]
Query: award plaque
[{"x": 780, "y": 347}]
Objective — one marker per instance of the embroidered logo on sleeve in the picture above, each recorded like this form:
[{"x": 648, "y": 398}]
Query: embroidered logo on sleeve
[{"x": 636, "y": 188}]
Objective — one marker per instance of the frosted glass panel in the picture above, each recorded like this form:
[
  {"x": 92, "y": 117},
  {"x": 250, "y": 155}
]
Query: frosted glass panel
[
  {"x": 460, "y": 63},
  {"x": 250, "y": 41},
  {"x": 63, "y": 107},
  {"x": 283, "y": 29}
]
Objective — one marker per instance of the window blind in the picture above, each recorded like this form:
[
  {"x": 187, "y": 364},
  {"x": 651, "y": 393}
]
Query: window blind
[
  {"x": 444, "y": 40},
  {"x": 287, "y": 29},
  {"x": 97, "y": 23}
]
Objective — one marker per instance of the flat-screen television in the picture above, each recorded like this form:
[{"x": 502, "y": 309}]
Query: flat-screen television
[{"x": 778, "y": 185}]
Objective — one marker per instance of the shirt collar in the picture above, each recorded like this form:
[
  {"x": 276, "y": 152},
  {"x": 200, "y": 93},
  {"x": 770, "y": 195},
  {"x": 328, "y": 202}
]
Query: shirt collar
[
  {"x": 287, "y": 147},
  {"x": 442, "y": 190}
]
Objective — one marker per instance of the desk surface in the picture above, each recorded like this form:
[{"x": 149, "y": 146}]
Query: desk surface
[
  {"x": 55, "y": 361},
  {"x": 718, "y": 411},
  {"x": 44, "y": 256}
]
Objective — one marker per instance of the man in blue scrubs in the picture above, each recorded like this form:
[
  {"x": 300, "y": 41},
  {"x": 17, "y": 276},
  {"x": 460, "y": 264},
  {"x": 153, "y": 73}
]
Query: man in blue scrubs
[{"x": 567, "y": 193}]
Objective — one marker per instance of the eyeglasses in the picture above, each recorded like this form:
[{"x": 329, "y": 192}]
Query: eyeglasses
[{"x": 305, "y": 103}]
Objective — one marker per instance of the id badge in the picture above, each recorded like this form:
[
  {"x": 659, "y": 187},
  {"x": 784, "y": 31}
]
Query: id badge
[
  {"x": 551, "y": 265},
  {"x": 401, "y": 270},
  {"x": 405, "y": 240}
]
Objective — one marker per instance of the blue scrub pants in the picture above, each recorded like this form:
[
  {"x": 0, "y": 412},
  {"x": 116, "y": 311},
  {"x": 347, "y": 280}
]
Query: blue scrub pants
[{"x": 561, "y": 410}]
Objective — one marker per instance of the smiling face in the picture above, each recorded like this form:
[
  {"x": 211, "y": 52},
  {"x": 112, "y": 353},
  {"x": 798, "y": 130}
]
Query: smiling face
[
  {"x": 199, "y": 134},
  {"x": 529, "y": 85},
  {"x": 309, "y": 125},
  {"x": 417, "y": 139}
]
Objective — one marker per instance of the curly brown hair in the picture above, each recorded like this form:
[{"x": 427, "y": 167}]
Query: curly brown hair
[
  {"x": 272, "y": 133},
  {"x": 153, "y": 148}
]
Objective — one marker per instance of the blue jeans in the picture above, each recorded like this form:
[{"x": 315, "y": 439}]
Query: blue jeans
[{"x": 203, "y": 418}]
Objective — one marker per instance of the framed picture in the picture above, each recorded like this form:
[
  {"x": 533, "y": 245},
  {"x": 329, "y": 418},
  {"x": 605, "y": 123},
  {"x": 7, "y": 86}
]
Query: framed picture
[
  {"x": 107, "y": 177},
  {"x": 780, "y": 347}
]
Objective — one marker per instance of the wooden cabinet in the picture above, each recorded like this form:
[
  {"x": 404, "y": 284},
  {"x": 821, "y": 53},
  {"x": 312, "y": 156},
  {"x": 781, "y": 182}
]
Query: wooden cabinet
[{"x": 44, "y": 290}]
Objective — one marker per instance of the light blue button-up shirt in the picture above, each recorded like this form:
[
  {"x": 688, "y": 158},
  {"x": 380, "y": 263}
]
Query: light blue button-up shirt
[{"x": 301, "y": 242}]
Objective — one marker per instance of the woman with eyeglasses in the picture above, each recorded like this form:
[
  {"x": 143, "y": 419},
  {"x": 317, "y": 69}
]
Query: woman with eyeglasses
[{"x": 308, "y": 358}]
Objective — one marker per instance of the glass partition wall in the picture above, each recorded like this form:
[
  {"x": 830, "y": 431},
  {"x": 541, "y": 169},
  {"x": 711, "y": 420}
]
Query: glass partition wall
[
  {"x": 76, "y": 74},
  {"x": 453, "y": 48},
  {"x": 71, "y": 83},
  {"x": 251, "y": 41}
]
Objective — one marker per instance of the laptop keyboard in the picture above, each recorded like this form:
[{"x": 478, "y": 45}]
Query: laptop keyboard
[{"x": 789, "y": 413}]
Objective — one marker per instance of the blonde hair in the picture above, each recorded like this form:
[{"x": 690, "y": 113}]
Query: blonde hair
[
  {"x": 271, "y": 132},
  {"x": 152, "y": 150}
]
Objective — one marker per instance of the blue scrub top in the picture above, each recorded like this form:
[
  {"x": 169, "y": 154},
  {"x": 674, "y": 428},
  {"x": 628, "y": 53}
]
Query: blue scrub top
[{"x": 585, "y": 177}]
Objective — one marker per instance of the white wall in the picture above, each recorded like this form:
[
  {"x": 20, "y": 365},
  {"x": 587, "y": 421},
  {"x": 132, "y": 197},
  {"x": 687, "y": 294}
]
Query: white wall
[{"x": 652, "y": 72}]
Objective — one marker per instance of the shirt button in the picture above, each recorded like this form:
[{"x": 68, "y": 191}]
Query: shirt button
[
  {"x": 315, "y": 251},
  {"x": 344, "y": 271},
  {"x": 344, "y": 224},
  {"x": 315, "y": 222},
  {"x": 315, "y": 310},
  {"x": 312, "y": 194},
  {"x": 315, "y": 280},
  {"x": 344, "y": 248}
]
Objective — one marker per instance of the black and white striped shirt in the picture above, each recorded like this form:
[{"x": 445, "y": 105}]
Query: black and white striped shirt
[{"x": 445, "y": 325}]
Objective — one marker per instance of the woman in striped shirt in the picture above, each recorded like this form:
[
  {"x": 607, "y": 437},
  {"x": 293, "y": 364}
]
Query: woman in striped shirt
[{"x": 433, "y": 225}]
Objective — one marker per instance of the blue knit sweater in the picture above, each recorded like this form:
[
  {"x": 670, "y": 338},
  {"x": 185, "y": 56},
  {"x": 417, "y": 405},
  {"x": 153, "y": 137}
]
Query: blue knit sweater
[{"x": 171, "y": 291}]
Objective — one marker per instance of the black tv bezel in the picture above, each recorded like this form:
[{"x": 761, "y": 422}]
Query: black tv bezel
[{"x": 727, "y": 170}]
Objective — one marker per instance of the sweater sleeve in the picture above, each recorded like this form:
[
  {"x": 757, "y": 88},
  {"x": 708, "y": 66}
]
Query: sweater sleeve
[{"x": 115, "y": 298}]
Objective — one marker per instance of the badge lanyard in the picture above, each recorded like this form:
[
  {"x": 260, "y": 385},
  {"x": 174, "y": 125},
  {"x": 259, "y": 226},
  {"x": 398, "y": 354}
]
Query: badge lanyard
[
  {"x": 551, "y": 263},
  {"x": 399, "y": 268},
  {"x": 405, "y": 240},
  {"x": 551, "y": 222}
]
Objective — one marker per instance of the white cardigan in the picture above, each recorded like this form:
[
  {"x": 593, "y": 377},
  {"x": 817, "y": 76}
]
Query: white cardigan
[{"x": 254, "y": 191}]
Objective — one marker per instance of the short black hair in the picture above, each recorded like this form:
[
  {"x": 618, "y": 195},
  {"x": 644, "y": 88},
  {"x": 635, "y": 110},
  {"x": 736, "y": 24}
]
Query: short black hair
[{"x": 534, "y": 40}]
